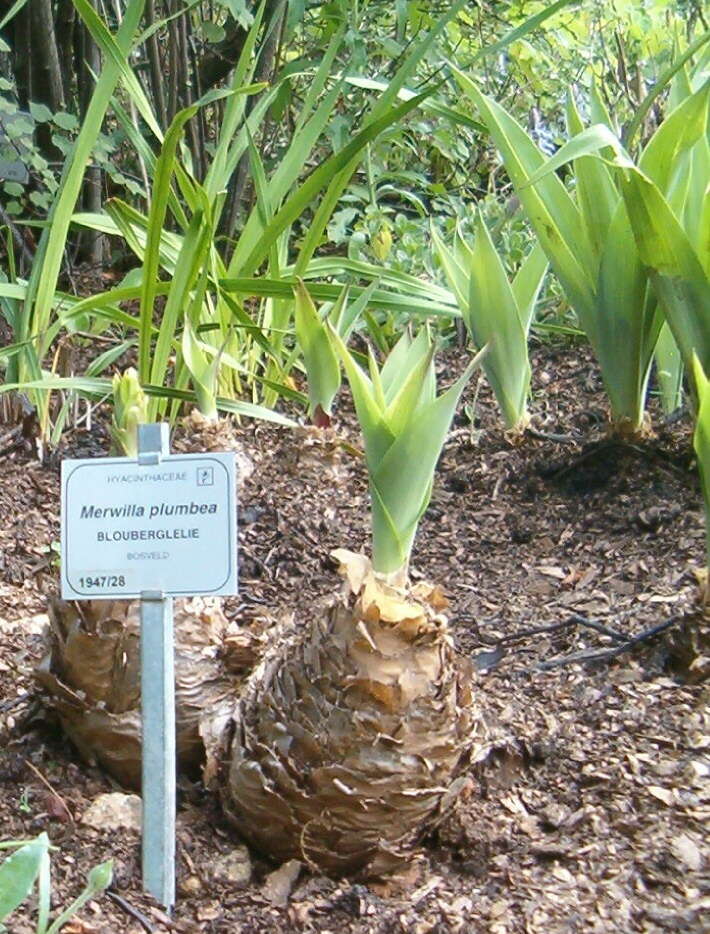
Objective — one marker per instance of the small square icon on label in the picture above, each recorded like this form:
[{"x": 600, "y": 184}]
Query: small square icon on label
[{"x": 205, "y": 476}]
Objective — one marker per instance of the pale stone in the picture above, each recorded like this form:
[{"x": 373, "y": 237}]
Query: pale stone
[
  {"x": 233, "y": 868},
  {"x": 114, "y": 811}
]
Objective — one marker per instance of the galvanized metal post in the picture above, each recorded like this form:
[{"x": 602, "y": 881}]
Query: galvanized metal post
[{"x": 158, "y": 714}]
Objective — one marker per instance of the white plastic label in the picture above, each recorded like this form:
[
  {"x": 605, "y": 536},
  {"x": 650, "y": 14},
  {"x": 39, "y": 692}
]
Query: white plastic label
[{"x": 128, "y": 528}]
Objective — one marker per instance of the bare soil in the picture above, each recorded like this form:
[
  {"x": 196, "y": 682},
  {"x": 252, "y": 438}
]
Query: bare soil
[{"x": 568, "y": 560}]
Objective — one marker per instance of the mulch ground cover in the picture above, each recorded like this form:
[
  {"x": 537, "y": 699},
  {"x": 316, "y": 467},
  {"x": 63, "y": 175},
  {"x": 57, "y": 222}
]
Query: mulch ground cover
[{"x": 568, "y": 562}]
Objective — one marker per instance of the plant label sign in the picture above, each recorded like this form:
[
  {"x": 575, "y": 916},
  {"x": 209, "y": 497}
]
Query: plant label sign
[{"x": 131, "y": 527}]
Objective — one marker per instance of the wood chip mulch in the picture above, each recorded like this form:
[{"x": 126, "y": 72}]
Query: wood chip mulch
[{"x": 568, "y": 560}]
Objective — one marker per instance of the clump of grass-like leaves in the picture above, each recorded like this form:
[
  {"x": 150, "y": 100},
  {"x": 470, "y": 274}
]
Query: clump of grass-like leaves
[
  {"x": 404, "y": 425},
  {"x": 496, "y": 311}
]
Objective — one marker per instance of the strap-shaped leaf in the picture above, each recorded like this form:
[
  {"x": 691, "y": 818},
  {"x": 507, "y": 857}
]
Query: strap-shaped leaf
[
  {"x": 552, "y": 212},
  {"x": 375, "y": 432},
  {"x": 627, "y": 321},
  {"x": 597, "y": 195},
  {"x": 164, "y": 169},
  {"x": 680, "y": 130},
  {"x": 321, "y": 361},
  {"x": 406, "y": 355},
  {"x": 413, "y": 392},
  {"x": 669, "y": 370},
  {"x": 678, "y": 277},
  {"x": 48, "y": 260},
  {"x": 696, "y": 211},
  {"x": 496, "y": 313},
  {"x": 527, "y": 284},
  {"x": 454, "y": 269},
  {"x": 493, "y": 317},
  {"x": 188, "y": 268}
]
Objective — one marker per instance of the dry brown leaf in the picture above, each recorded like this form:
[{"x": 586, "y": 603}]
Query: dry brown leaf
[{"x": 353, "y": 566}]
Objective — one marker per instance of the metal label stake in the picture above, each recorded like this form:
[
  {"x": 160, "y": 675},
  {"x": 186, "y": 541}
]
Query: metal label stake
[{"x": 158, "y": 714}]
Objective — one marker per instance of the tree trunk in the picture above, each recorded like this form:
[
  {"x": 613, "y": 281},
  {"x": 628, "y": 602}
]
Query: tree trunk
[
  {"x": 46, "y": 83},
  {"x": 156, "y": 69},
  {"x": 21, "y": 45},
  {"x": 217, "y": 64},
  {"x": 91, "y": 248},
  {"x": 64, "y": 29},
  {"x": 47, "y": 86},
  {"x": 264, "y": 72}
]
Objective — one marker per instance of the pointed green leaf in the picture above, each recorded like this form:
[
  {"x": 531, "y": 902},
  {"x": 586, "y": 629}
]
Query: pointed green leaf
[
  {"x": 321, "y": 361},
  {"x": 679, "y": 280},
  {"x": 597, "y": 194},
  {"x": 402, "y": 481},
  {"x": 375, "y": 432},
  {"x": 456, "y": 274},
  {"x": 527, "y": 284},
  {"x": 680, "y": 130},
  {"x": 18, "y": 873},
  {"x": 493, "y": 318},
  {"x": 669, "y": 370},
  {"x": 627, "y": 321},
  {"x": 406, "y": 403},
  {"x": 549, "y": 207},
  {"x": 161, "y": 186},
  {"x": 405, "y": 357}
]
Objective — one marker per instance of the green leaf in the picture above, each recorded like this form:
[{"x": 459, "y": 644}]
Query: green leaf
[
  {"x": 18, "y": 873},
  {"x": 380, "y": 298},
  {"x": 661, "y": 83},
  {"x": 680, "y": 130},
  {"x": 678, "y": 277},
  {"x": 401, "y": 482},
  {"x": 527, "y": 284},
  {"x": 627, "y": 322},
  {"x": 403, "y": 440},
  {"x": 239, "y": 11},
  {"x": 551, "y": 210},
  {"x": 212, "y": 31},
  {"x": 35, "y": 321},
  {"x": 190, "y": 263},
  {"x": 65, "y": 121},
  {"x": 597, "y": 194},
  {"x": 321, "y": 361},
  {"x": 40, "y": 112},
  {"x": 669, "y": 370},
  {"x": 493, "y": 317}
]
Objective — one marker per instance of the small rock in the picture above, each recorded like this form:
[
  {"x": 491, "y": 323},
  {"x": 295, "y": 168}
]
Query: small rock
[
  {"x": 191, "y": 886},
  {"x": 233, "y": 868},
  {"x": 278, "y": 884},
  {"x": 114, "y": 811}
]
